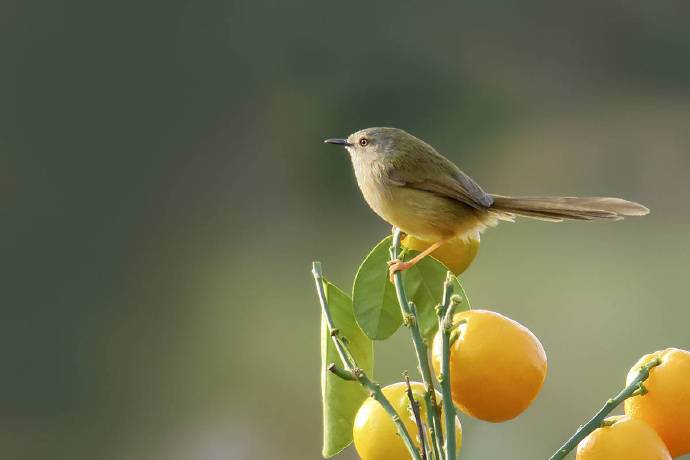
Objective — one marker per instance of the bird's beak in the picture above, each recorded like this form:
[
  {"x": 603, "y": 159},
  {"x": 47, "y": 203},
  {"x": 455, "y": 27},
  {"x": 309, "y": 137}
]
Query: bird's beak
[{"x": 342, "y": 142}]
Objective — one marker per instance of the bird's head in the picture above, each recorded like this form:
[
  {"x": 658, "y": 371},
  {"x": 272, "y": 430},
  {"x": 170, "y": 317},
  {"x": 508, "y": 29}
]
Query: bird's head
[{"x": 375, "y": 143}]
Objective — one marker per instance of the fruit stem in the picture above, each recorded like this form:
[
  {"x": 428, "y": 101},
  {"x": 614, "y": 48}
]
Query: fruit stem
[
  {"x": 445, "y": 323},
  {"x": 595, "y": 422},
  {"x": 419, "y": 346},
  {"x": 350, "y": 365}
]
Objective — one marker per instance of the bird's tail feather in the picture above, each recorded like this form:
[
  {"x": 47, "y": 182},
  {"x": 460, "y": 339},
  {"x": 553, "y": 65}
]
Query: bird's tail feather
[{"x": 557, "y": 209}]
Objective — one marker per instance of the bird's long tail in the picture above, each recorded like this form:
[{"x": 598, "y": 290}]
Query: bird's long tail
[{"x": 557, "y": 209}]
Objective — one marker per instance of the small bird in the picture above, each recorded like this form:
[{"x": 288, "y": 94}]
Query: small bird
[{"x": 413, "y": 187}]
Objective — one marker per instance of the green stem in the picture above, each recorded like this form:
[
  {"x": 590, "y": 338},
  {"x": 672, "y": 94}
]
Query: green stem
[
  {"x": 445, "y": 324},
  {"x": 350, "y": 366},
  {"x": 340, "y": 372},
  {"x": 417, "y": 416},
  {"x": 595, "y": 422},
  {"x": 408, "y": 312},
  {"x": 434, "y": 441}
]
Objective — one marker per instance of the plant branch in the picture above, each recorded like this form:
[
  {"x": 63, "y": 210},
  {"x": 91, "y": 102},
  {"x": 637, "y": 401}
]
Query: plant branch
[
  {"x": 417, "y": 417},
  {"x": 410, "y": 320},
  {"x": 435, "y": 439},
  {"x": 636, "y": 387},
  {"x": 358, "y": 374},
  {"x": 445, "y": 326},
  {"x": 340, "y": 372}
]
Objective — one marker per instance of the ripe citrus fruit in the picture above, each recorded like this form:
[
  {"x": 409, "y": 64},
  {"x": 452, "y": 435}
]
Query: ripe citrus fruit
[
  {"x": 666, "y": 406},
  {"x": 625, "y": 439},
  {"x": 456, "y": 254},
  {"x": 497, "y": 366},
  {"x": 374, "y": 432}
]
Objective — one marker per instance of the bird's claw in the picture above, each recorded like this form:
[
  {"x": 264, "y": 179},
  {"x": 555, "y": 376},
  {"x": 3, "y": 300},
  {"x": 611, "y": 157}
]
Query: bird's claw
[{"x": 396, "y": 266}]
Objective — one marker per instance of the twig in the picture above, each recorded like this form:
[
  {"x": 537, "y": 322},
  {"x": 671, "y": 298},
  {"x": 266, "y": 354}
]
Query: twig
[
  {"x": 417, "y": 416},
  {"x": 350, "y": 366},
  {"x": 635, "y": 388},
  {"x": 434, "y": 440},
  {"x": 411, "y": 320},
  {"x": 428, "y": 440},
  {"x": 445, "y": 325},
  {"x": 340, "y": 372}
]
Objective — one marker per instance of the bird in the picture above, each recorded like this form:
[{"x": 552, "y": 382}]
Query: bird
[{"x": 416, "y": 189}]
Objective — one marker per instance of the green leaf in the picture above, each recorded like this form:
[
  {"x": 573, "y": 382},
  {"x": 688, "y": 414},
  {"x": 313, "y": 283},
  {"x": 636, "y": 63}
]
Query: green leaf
[
  {"x": 424, "y": 287},
  {"x": 373, "y": 297},
  {"x": 341, "y": 399},
  {"x": 376, "y": 306},
  {"x": 459, "y": 290}
]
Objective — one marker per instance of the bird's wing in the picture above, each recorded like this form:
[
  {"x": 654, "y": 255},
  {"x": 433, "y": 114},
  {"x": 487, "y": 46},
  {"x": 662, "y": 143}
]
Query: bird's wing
[{"x": 436, "y": 174}]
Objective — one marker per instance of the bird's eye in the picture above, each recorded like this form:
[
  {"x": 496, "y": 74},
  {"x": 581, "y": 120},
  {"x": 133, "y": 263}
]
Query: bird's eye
[{"x": 364, "y": 142}]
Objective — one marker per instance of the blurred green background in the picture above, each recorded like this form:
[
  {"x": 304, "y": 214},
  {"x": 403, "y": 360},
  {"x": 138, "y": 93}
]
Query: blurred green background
[{"x": 165, "y": 188}]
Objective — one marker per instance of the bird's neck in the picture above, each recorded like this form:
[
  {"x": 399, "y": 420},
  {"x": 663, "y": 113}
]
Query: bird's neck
[
  {"x": 370, "y": 174},
  {"x": 367, "y": 169}
]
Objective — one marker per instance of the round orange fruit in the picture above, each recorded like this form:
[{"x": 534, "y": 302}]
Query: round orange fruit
[
  {"x": 666, "y": 405},
  {"x": 497, "y": 366},
  {"x": 623, "y": 438},
  {"x": 455, "y": 254},
  {"x": 374, "y": 433}
]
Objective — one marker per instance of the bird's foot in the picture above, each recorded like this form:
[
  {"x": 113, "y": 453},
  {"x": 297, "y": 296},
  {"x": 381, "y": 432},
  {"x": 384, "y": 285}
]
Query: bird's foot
[{"x": 397, "y": 266}]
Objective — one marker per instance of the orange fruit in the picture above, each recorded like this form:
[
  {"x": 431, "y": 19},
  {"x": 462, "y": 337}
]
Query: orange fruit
[
  {"x": 497, "y": 366},
  {"x": 625, "y": 439},
  {"x": 666, "y": 407},
  {"x": 455, "y": 254},
  {"x": 374, "y": 433}
]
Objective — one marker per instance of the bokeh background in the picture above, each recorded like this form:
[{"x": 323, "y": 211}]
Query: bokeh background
[{"x": 164, "y": 188}]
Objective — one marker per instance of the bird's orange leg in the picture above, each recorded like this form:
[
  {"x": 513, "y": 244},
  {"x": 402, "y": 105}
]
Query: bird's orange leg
[{"x": 400, "y": 266}]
